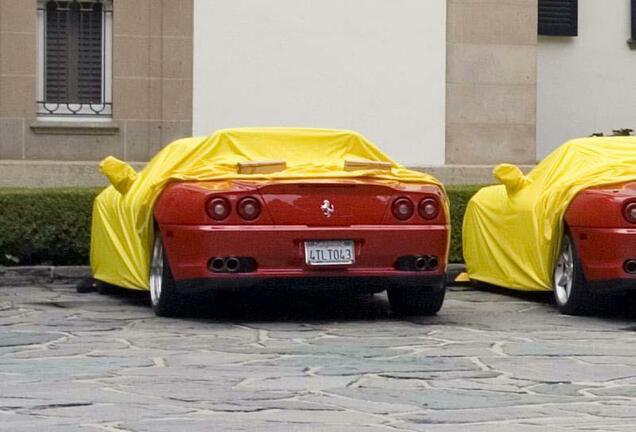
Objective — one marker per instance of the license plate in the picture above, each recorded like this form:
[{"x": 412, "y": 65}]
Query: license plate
[{"x": 333, "y": 252}]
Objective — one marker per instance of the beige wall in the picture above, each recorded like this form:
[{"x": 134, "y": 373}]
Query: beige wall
[
  {"x": 17, "y": 74},
  {"x": 152, "y": 85},
  {"x": 491, "y": 81}
]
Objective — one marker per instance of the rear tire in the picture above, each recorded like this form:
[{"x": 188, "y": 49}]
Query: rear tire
[
  {"x": 571, "y": 291},
  {"x": 86, "y": 285},
  {"x": 411, "y": 301},
  {"x": 165, "y": 300},
  {"x": 104, "y": 288}
]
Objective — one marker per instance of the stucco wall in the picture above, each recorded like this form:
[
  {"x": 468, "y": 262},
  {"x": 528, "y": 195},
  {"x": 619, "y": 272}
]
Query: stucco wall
[
  {"x": 587, "y": 83},
  {"x": 376, "y": 66}
]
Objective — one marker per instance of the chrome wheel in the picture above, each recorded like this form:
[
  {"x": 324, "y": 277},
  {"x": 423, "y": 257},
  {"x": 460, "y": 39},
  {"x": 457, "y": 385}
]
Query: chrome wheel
[
  {"x": 156, "y": 271},
  {"x": 564, "y": 272}
]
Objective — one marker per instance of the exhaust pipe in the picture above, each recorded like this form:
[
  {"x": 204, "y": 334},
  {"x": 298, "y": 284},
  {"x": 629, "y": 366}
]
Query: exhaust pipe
[
  {"x": 421, "y": 263},
  {"x": 433, "y": 263},
  {"x": 217, "y": 264},
  {"x": 630, "y": 266},
  {"x": 232, "y": 264},
  {"x": 416, "y": 263}
]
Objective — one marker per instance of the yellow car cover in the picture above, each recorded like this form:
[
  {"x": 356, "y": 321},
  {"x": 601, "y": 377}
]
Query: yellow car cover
[
  {"x": 512, "y": 232},
  {"x": 122, "y": 225}
]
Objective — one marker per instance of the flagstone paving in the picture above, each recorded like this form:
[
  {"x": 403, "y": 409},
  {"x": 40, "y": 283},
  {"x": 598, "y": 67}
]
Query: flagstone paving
[{"x": 296, "y": 361}]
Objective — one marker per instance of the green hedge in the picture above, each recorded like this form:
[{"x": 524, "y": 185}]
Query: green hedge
[
  {"x": 52, "y": 226},
  {"x": 45, "y": 226},
  {"x": 459, "y": 197}
]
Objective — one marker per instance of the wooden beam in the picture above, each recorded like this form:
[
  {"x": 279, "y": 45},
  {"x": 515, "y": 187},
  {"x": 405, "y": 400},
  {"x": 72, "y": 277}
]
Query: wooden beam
[
  {"x": 261, "y": 167},
  {"x": 355, "y": 165}
]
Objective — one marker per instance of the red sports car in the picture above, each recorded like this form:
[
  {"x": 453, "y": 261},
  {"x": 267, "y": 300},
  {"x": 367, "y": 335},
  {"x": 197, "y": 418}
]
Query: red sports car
[
  {"x": 221, "y": 212},
  {"x": 568, "y": 226},
  {"x": 598, "y": 252},
  {"x": 364, "y": 235}
]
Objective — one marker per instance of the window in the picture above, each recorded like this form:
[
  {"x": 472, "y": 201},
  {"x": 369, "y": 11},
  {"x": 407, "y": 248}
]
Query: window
[
  {"x": 74, "y": 64},
  {"x": 558, "y": 17},
  {"x": 633, "y": 35}
]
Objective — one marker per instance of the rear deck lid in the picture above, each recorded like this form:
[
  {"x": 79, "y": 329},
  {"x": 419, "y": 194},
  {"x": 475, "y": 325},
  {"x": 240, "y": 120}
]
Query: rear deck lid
[{"x": 327, "y": 203}]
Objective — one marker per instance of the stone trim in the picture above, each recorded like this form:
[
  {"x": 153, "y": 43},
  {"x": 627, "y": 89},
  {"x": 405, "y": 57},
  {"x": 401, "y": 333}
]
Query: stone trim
[
  {"x": 465, "y": 174},
  {"x": 74, "y": 127},
  {"x": 51, "y": 174},
  {"x": 17, "y": 173},
  {"x": 491, "y": 81}
]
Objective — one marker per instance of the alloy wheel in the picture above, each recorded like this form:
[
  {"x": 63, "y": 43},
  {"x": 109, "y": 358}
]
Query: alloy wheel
[
  {"x": 156, "y": 271},
  {"x": 564, "y": 273}
]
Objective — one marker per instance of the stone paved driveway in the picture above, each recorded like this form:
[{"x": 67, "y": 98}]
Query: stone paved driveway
[{"x": 297, "y": 362}]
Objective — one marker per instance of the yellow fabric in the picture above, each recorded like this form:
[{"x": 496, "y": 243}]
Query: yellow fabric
[
  {"x": 511, "y": 177},
  {"x": 119, "y": 173},
  {"x": 122, "y": 226},
  {"x": 512, "y": 232},
  {"x": 462, "y": 277}
]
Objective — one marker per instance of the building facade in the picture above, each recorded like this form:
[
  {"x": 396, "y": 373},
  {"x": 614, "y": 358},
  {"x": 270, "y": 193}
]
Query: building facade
[
  {"x": 81, "y": 80},
  {"x": 450, "y": 86}
]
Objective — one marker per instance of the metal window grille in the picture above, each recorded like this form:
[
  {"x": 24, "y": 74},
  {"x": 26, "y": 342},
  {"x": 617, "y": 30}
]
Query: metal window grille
[
  {"x": 74, "y": 69},
  {"x": 558, "y": 17}
]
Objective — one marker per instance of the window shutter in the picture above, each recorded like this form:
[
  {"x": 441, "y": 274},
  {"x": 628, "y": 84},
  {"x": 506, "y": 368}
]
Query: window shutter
[
  {"x": 89, "y": 74},
  {"x": 558, "y": 17},
  {"x": 633, "y": 19},
  {"x": 73, "y": 52},
  {"x": 57, "y": 52}
]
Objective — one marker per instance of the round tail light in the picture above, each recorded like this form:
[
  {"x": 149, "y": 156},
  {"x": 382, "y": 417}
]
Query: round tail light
[
  {"x": 249, "y": 208},
  {"x": 629, "y": 212},
  {"x": 218, "y": 208},
  {"x": 429, "y": 208},
  {"x": 402, "y": 208}
]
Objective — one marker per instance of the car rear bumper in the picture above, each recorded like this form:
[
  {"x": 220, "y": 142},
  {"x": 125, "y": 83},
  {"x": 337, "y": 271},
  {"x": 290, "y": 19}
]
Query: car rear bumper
[
  {"x": 346, "y": 283},
  {"x": 278, "y": 251},
  {"x": 603, "y": 253},
  {"x": 612, "y": 285}
]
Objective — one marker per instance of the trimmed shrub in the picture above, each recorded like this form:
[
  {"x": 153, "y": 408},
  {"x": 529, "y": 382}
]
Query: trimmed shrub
[
  {"x": 459, "y": 197},
  {"x": 45, "y": 226},
  {"x": 52, "y": 226}
]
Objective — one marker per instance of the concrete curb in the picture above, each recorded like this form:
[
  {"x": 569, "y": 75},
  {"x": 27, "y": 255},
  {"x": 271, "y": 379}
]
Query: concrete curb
[
  {"x": 74, "y": 274},
  {"x": 43, "y": 274}
]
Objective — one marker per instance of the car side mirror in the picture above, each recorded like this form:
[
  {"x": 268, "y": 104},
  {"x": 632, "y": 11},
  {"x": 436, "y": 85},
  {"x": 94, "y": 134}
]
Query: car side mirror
[
  {"x": 510, "y": 176},
  {"x": 119, "y": 173}
]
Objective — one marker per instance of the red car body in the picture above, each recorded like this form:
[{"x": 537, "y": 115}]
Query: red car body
[
  {"x": 271, "y": 247},
  {"x": 604, "y": 236}
]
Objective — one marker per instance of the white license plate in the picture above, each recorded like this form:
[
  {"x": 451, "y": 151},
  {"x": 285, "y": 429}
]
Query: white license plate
[{"x": 332, "y": 252}]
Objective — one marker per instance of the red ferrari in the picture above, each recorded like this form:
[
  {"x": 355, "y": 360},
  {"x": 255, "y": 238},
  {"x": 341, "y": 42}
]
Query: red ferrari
[
  {"x": 568, "y": 226},
  {"x": 244, "y": 208},
  {"x": 366, "y": 235},
  {"x": 598, "y": 252}
]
